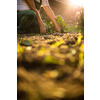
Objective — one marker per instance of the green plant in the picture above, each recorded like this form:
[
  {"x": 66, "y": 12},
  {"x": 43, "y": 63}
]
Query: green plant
[
  {"x": 80, "y": 18},
  {"x": 54, "y": 45},
  {"x": 50, "y": 59},
  {"x": 79, "y": 39},
  {"x": 75, "y": 28},
  {"x": 81, "y": 56},
  {"x": 60, "y": 22},
  {"x": 79, "y": 27},
  {"x": 19, "y": 49}
]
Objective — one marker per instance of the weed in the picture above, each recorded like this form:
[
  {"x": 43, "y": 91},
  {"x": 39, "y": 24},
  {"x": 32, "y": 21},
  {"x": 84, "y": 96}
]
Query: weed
[
  {"x": 60, "y": 22},
  {"x": 64, "y": 26},
  {"x": 19, "y": 49}
]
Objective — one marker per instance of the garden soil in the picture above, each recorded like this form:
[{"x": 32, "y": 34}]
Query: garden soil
[{"x": 49, "y": 72}]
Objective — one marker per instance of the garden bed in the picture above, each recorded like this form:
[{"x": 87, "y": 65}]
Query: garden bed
[{"x": 52, "y": 68}]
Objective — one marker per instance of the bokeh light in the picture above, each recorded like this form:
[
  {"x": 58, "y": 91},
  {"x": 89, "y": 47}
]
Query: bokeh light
[{"x": 77, "y": 2}]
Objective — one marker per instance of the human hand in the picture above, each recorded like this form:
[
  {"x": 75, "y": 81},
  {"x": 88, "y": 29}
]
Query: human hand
[
  {"x": 42, "y": 29},
  {"x": 57, "y": 28}
]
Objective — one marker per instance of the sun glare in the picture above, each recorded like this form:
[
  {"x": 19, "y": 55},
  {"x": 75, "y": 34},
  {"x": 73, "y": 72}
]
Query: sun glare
[{"x": 77, "y": 2}]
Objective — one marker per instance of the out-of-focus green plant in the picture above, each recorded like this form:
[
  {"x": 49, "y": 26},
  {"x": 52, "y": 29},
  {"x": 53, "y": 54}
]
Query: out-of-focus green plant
[
  {"x": 75, "y": 28},
  {"x": 43, "y": 51},
  {"x": 50, "y": 25},
  {"x": 19, "y": 49},
  {"x": 50, "y": 59},
  {"x": 60, "y": 22},
  {"x": 82, "y": 48},
  {"x": 81, "y": 53},
  {"x": 79, "y": 27},
  {"x": 80, "y": 19},
  {"x": 81, "y": 56},
  {"x": 54, "y": 45},
  {"x": 79, "y": 39}
]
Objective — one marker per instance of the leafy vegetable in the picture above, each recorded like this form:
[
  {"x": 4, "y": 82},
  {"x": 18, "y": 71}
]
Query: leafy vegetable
[{"x": 60, "y": 22}]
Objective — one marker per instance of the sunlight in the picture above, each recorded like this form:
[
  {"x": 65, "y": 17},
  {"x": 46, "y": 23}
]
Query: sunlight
[{"x": 77, "y": 2}]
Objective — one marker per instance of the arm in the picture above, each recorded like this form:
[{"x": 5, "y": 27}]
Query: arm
[
  {"x": 52, "y": 17},
  {"x": 31, "y": 4}
]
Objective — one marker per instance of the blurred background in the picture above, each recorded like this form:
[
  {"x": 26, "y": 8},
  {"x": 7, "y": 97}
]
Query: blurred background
[{"x": 71, "y": 10}]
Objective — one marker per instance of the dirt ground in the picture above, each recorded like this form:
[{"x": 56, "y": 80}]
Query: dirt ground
[
  {"x": 45, "y": 72},
  {"x": 49, "y": 69}
]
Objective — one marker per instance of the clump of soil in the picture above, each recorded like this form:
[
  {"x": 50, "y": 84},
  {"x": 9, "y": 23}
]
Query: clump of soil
[{"x": 49, "y": 69}]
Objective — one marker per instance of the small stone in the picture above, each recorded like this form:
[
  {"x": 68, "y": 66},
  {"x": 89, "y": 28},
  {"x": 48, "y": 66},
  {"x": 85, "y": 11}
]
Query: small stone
[{"x": 29, "y": 48}]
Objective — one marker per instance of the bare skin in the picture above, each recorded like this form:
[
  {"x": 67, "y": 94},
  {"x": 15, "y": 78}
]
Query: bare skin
[
  {"x": 52, "y": 17},
  {"x": 49, "y": 12}
]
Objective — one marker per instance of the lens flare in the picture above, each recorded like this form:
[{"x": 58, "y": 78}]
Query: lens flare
[{"x": 77, "y": 2}]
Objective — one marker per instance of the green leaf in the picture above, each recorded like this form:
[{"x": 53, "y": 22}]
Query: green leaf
[
  {"x": 19, "y": 49},
  {"x": 26, "y": 42},
  {"x": 50, "y": 59},
  {"x": 60, "y": 22}
]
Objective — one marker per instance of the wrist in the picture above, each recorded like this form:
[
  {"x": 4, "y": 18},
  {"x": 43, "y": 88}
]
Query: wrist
[
  {"x": 56, "y": 26},
  {"x": 42, "y": 25}
]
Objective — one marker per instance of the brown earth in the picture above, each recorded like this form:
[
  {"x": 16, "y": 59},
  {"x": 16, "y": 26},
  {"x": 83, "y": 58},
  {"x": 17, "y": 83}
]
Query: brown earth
[{"x": 45, "y": 72}]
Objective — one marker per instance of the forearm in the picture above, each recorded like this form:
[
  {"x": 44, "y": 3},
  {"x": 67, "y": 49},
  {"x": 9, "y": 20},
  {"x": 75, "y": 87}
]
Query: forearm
[
  {"x": 39, "y": 20},
  {"x": 31, "y": 4},
  {"x": 50, "y": 14},
  {"x": 52, "y": 17}
]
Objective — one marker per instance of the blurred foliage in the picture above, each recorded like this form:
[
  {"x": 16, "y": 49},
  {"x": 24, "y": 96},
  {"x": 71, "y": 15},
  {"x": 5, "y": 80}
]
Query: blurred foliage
[
  {"x": 61, "y": 23},
  {"x": 81, "y": 56},
  {"x": 19, "y": 49},
  {"x": 54, "y": 45},
  {"x": 74, "y": 28},
  {"x": 81, "y": 53},
  {"x": 50, "y": 25},
  {"x": 41, "y": 52},
  {"x": 81, "y": 48},
  {"x": 50, "y": 59},
  {"x": 79, "y": 27},
  {"x": 80, "y": 18},
  {"x": 79, "y": 39}
]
